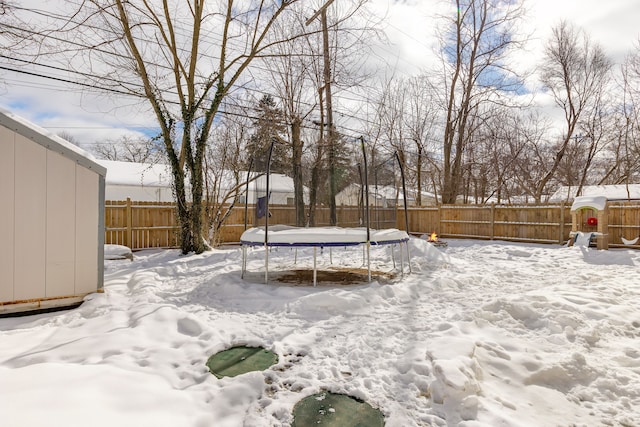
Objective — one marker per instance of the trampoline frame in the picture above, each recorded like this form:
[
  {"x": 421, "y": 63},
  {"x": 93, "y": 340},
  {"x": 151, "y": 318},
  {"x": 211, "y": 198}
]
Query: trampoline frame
[{"x": 370, "y": 240}]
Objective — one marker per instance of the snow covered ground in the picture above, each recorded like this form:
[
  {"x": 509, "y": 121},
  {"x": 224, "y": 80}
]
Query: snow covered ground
[{"x": 480, "y": 334}]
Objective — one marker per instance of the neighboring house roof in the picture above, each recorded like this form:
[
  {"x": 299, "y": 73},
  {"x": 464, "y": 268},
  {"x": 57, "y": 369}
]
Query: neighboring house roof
[
  {"x": 50, "y": 141},
  {"x": 278, "y": 182},
  {"x": 159, "y": 175},
  {"x": 387, "y": 192},
  {"x": 138, "y": 174},
  {"x": 611, "y": 192}
]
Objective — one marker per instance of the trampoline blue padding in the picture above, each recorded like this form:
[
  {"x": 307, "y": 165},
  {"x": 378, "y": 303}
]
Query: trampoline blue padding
[{"x": 280, "y": 235}]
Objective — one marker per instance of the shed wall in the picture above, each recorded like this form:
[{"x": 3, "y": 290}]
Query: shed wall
[
  {"x": 30, "y": 219},
  {"x": 7, "y": 229},
  {"x": 86, "y": 231},
  {"x": 50, "y": 230},
  {"x": 61, "y": 219}
]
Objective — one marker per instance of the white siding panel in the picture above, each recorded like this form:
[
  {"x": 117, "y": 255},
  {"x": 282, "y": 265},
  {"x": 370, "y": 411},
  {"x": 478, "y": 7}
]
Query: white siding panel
[
  {"x": 87, "y": 205},
  {"x": 30, "y": 219},
  {"x": 6, "y": 213},
  {"x": 61, "y": 215},
  {"x": 138, "y": 193}
]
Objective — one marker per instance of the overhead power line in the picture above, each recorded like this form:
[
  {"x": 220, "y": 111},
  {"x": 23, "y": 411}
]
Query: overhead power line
[{"x": 141, "y": 95}]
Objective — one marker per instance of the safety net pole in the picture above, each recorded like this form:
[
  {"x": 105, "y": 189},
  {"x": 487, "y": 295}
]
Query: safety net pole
[
  {"x": 406, "y": 212},
  {"x": 266, "y": 217},
  {"x": 366, "y": 200}
]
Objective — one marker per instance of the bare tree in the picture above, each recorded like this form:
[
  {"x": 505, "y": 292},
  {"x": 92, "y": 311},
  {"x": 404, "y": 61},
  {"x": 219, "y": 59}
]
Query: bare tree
[
  {"x": 575, "y": 71},
  {"x": 298, "y": 74},
  {"x": 420, "y": 121},
  {"x": 531, "y": 145},
  {"x": 392, "y": 105},
  {"x": 183, "y": 59},
  {"x": 69, "y": 137},
  {"x": 128, "y": 149},
  {"x": 595, "y": 135},
  {"x": 224, "y": 180},
  {"x": 474, "y": 48},
  {"x": 292, "y": 78},
  {"x": 623, "y": 163}
]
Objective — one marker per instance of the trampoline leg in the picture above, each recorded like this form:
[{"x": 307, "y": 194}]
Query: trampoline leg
[
  {"x": 330, "y": 255},
  {"x": 408, "y": 257},
  {"x": 266, "y": 264},
  {"x": 401, "y": 261},
  {"x": 315, "y": 249},
  {"x": 295, "y": 257},
  {"x": 393, "y": 256},
  {"x": 244, "y": 261}
]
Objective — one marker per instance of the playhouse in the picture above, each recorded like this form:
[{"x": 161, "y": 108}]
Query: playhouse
[{"x": 589, "y": 217}]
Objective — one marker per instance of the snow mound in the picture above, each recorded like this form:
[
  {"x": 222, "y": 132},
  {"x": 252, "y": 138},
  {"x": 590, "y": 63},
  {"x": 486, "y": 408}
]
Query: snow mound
[{"x": 113, "y": 252}]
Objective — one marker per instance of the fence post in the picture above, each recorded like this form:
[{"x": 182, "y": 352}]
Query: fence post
[
  {"x": 439, "y": 219},
  {"x": 128, "y": 235},
  {"x": 493, "y": 220},
  {"x": 561, "y": 234}
]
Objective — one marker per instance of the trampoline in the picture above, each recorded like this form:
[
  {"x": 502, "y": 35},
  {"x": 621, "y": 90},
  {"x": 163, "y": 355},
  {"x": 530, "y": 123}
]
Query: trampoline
[{"x": 320, "y": 237}]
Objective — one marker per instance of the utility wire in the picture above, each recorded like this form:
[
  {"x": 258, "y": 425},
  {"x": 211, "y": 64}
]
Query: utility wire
[
  {"x": 161, "y": 66},
  {"x": 142, "y": 96},
  {"x": 131, "y": 93}
]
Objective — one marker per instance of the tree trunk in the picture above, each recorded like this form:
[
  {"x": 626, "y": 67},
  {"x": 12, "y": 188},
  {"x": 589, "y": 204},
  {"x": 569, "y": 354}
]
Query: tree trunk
[{"x": 419, "y": 176}]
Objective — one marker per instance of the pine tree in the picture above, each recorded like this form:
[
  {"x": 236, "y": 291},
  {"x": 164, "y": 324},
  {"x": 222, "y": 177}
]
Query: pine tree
[{"x": 270, "y": 126}]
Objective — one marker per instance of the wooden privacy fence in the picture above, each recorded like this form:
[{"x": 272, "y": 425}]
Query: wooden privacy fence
[
  {"x": 526, "y": 223},
  {"x": 624, "y": 221},
  {"x": 140, "y": 225}
]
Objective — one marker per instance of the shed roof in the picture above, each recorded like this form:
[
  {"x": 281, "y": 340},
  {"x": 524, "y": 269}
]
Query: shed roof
[{"x": 50, "y": 141}]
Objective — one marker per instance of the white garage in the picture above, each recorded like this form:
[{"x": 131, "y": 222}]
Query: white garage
[{"x": 51, "y": 219}]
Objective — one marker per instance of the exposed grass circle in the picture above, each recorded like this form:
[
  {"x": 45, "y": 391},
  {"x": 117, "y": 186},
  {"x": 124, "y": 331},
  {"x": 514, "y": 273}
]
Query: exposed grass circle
[
  {"x": 335, "y": 410},
  {"x": 240, "y": 360}
]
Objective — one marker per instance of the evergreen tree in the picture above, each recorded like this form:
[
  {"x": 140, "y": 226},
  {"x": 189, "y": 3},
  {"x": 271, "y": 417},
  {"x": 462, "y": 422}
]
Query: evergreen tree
[{"x": 269, "y": 126}]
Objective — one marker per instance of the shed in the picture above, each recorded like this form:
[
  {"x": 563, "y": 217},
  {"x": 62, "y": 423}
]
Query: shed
[{"x": 51, "y": 220}]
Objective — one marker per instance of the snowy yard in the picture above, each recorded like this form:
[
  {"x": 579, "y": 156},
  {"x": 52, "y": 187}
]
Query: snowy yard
[{"x": 480, "y": 334}]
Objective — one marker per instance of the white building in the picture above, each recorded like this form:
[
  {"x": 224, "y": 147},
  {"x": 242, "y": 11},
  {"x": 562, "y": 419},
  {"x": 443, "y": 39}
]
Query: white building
[
  {"x": 51, "y": 220},
  {"x": 145, "y": 182},
  {"x": 611, "y": 192},
  {"x": 280, "y": 186},
  {"x": 383, "y": 196},
  {"x": 141, "y": 182}
]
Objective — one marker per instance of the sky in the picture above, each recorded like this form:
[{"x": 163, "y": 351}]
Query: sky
[
  {"x": 479, "y": 334},
  {"x": 408, "y": 24}
]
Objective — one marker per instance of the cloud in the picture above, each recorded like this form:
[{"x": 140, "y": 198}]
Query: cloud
[{"x": 410, "y": 26}]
